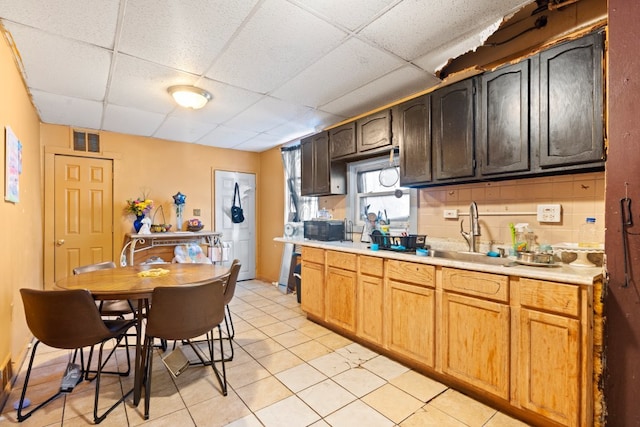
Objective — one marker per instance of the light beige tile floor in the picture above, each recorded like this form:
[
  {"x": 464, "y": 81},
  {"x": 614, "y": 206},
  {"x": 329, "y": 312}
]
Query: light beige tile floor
[{"x": 286, "y": 371}]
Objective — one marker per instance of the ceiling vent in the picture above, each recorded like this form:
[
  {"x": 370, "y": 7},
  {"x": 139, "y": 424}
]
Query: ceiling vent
[{"x": 86, "y": 142}]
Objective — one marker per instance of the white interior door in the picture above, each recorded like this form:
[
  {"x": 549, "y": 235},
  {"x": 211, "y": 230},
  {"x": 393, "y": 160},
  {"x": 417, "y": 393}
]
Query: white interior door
[{"x": 241, "y": 238}]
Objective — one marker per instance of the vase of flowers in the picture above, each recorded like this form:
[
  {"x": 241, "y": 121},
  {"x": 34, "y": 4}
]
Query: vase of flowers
[{"x": 140, "y": 207}]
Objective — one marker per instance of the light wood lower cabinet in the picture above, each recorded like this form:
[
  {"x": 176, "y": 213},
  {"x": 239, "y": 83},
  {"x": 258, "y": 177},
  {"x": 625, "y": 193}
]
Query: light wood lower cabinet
[
  {"x": 523, "y": 342},
  {"x": 340, "y": 308},
  {"x": 410, "y": 302},
  {"x": 312, "y": 285},
  {"x": 475, "y": 332},
  {"x": 370, "y": 299},
  {"x": 549, "y": 350},
  {"x": 475, "y": 342}
]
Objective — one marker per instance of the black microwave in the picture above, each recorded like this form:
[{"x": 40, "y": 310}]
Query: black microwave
[{"x": 325, "y": 230}]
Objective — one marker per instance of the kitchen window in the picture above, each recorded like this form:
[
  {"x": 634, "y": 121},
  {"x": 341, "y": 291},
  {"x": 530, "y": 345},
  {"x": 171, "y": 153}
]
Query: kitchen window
[{"x": 365, "y": 190}]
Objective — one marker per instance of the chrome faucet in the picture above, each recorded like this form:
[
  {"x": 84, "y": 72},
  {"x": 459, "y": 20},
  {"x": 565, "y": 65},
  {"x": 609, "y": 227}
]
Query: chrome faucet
[{"x": 470, "y": 236}]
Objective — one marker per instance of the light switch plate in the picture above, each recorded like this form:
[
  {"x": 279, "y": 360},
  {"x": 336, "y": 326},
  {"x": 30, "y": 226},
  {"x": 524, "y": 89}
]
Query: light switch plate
[
  {"x": 451, "y": 213},
  {"x": 549, "y": 213}
]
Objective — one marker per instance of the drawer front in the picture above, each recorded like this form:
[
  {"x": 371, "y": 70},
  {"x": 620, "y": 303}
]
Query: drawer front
[
  {"x": 341, "y": 260},
  {"x": 373, "y": 266},
  {"x": 550, "y": 296},
  {"x": 485, "y": 285},
  {"x": 410, "y": 272},
  {"x": 313, "y": 254}
]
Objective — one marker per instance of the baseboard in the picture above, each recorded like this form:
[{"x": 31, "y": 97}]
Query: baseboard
[{"x": 6, "y": 375}]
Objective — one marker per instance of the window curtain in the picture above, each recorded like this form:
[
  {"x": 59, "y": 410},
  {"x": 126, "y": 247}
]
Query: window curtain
[{"x": 297, "y": 208}]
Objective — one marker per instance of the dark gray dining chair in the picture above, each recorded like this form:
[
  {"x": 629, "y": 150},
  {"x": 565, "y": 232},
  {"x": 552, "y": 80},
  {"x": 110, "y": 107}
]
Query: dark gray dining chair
[
  {"x": 108, "y": 308},
  {"x": 182, "y": 313},
  {"x": 69, "y": 320},
  {"x": 229, "y": 291}
]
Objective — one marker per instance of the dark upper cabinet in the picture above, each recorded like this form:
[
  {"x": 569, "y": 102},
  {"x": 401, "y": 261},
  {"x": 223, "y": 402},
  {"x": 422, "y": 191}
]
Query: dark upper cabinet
[
  {"x": 503, "y": 125},
  {"x": 342, "y": 140},
  {"x": 320, "y": 177},
  {"x": 412, "y": 128},
  {"x": 571, "y": 103},
  {"x": 452, "y": 125},
  {"x": 374, "y": 131}
]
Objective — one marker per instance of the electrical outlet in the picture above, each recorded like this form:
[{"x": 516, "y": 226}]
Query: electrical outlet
[
  {"x": 451, "y": 213},
  {"x": 196, "y": 212},
  {"x": 549, "y": 213}
]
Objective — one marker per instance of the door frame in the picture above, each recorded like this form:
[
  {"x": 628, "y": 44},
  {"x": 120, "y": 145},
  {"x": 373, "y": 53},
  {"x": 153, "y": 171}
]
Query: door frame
[{"x": 49, "y": 155}]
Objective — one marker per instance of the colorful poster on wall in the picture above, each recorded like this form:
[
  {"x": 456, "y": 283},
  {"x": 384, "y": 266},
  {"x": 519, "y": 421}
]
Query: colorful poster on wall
[{"x": 13, "y": 167}]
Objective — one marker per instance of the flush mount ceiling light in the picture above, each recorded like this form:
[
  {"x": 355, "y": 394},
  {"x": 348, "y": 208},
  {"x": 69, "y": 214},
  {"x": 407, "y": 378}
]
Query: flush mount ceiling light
[{"x": 190, "y": 96}]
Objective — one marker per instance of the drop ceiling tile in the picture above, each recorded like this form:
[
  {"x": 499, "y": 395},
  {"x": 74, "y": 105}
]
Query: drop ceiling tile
[
  {"x": 438, "y": 58},
  {"x": 267, "y": 52},
  {"x": 260, "y": 143},
  {"x": 63, "y": 110},
  {"x": 413, "y": 28},
  {"x": 388, "y": 89},
  {"x": 183, "y": 35},
  {"x": 178, "y": 129},
  {"x": 58, "y": 65},
  {"x": 311, "y": 122},
  {"x": 351, "y": 14},
  {"x": 226, "y": 102},
  {"x": 343, "y": 70},
  {"x": 266, "y": 114},
  {"x": 226, "y": 137},
  {"x": 130, "y": 120},
  {"x": 91, "y": 21},
  {"x": 143, "y": 85}
]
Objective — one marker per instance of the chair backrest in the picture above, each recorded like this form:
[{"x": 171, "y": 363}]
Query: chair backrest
[
  {"x": 93, "y": 267},
  {"x": 230, "y": 285},
  {"x": 184, "y": 312},
  {"x": 64, "y": 319}
]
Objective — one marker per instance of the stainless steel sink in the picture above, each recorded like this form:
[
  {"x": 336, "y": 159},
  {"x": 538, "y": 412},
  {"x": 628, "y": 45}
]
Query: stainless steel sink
[{"x": 476, "y": 257}]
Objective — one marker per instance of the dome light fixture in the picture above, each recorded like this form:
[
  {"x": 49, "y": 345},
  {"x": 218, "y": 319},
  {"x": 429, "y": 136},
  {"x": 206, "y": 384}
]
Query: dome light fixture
[{"x": 190, "y": 96}]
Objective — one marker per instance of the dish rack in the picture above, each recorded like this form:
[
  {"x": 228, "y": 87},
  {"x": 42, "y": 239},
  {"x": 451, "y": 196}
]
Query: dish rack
[{"x": 409, "y": 242}]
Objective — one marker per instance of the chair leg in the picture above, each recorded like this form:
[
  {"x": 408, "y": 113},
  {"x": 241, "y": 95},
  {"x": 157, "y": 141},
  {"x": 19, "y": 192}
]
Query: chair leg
[
  {"x": 21, "y": 416},
  {"x": 122, "y": 374},
  {"x": 99, "y": 418},
  {"x": 148, "y": 358},
  {"x": 233, "y": 331},
  {"x": 222, "y": 377}
]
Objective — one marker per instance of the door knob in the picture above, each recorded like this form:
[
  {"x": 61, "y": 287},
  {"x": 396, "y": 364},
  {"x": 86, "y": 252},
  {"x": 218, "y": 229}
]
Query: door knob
[{"x": 60, "y": 242}]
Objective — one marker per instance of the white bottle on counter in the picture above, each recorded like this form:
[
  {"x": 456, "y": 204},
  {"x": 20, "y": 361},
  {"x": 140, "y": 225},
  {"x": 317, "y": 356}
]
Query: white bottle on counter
[{"x": 588, "y": 234}]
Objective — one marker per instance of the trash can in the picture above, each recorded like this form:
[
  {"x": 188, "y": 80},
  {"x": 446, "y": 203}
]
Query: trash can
[{"x": 297, "y": 273}]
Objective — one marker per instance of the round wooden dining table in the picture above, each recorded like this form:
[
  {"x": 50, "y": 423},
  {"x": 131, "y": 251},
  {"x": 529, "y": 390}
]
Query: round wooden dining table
[{"x": 137, "y": 283}]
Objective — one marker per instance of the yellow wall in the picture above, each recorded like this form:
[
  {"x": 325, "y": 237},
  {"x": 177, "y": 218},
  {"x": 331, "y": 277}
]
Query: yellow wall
[
  {"x": 21, "y": 248},
  {"x": 271, "y": 198},
  {"x": 160, "y": 168}
]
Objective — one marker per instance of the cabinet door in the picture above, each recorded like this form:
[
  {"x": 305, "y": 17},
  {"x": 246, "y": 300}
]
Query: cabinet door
[
  {"x": 321, "y": 164},
  {"x": 410, "y": 321},
  {"x": 412, "y": 128},
  {"x": 503, "y": 140},
  {"x": 312, "y": 288},
  {"x": 571, "y": 103},
  {"x": 340, "y": 307},
  {"x": 452, "y": 124},
  {"x": 475, "y": 342},
  {"x": 549, "y": 379},
  {"x": 342, "y": 140},
  {"x": 306, "y": 166},
  {"x": 374, "y": 131}
]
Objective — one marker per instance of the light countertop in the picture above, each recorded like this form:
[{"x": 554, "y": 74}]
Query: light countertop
[{"x": 558, "y": 273}]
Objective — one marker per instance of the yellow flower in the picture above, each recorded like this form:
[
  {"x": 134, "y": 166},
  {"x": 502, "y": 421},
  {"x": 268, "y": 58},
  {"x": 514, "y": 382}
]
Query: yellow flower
[{"x": 139, "y": 206}]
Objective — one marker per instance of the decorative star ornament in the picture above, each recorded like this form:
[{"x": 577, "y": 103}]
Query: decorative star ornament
[{"x": 179, "y": 198}]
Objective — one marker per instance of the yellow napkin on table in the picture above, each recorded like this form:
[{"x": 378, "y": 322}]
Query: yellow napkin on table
[{"x": 154, "y": 272}]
